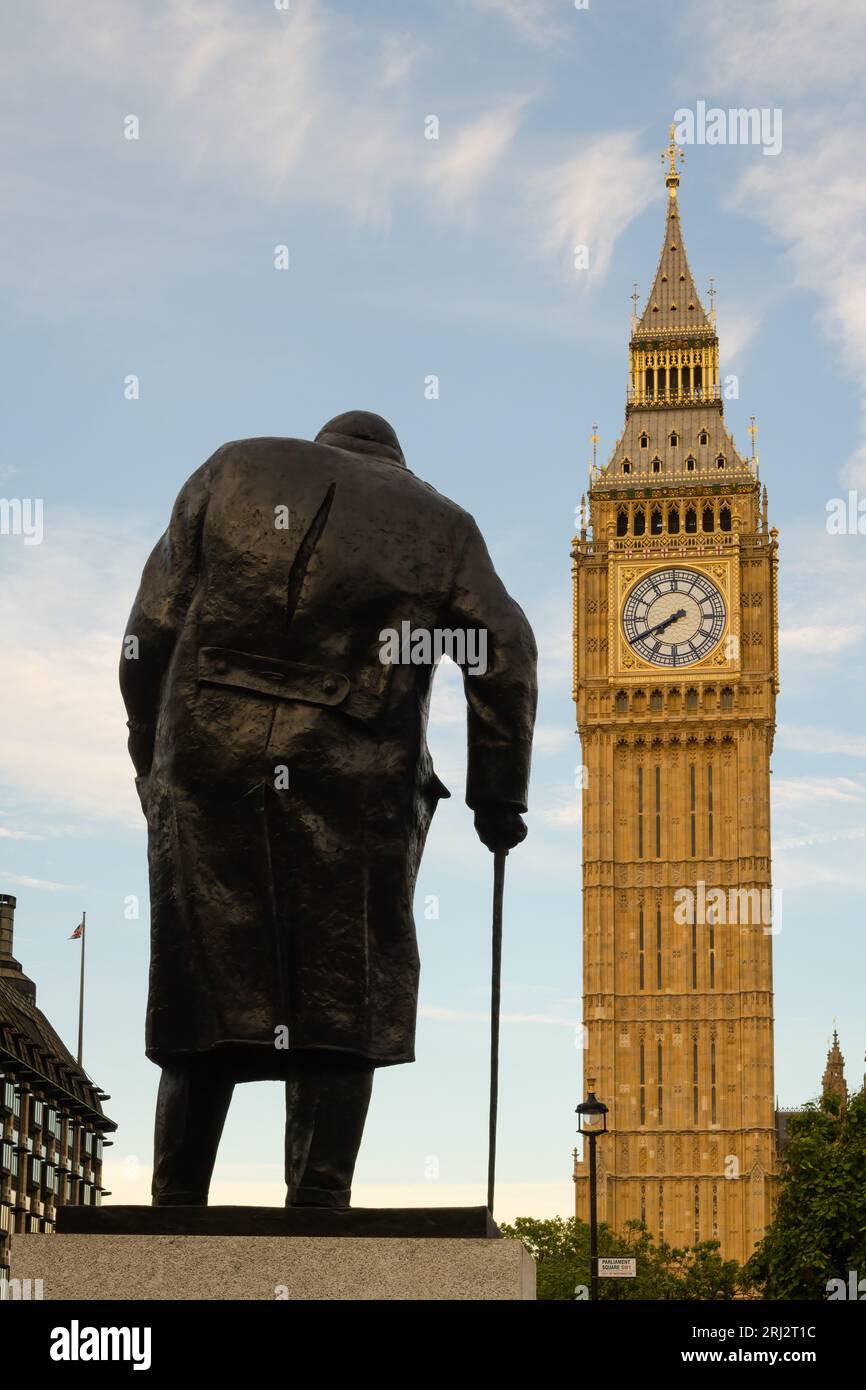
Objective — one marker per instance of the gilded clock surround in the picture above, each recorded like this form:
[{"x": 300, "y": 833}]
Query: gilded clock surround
[
  {"x": 626, "y": 662},
  {"x": 678, "y": 1015}
]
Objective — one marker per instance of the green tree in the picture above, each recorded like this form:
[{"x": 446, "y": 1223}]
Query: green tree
[
  {"x": 819, "y": 1229},
  {"x": 560, "y": 1248}
]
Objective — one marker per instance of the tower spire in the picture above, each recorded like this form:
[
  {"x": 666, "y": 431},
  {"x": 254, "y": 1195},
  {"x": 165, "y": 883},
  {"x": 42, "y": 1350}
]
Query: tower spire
[
  {"x": 672, "y": 178},
  {"x": 833, "y": 1082}
]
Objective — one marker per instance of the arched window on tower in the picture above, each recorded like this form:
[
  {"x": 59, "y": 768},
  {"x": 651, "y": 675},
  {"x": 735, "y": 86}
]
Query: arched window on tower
[
  {"x": 674, "y": 439},
  {"x": 703, "y": 438},
  {"x": 656, "y": 521},
  {"x": 690, "y": 464},
  {"x": 674, "y": 521},
  {"x": 622, "y": 522},
  {"x": 727, "y": 699},
  {"x": 725, "y": 519},
  {"x": 709, "y": 520},
  {"x": 657, "y": 465},
  {"x": 640, "y": 522},
  {"x": 691, "y": 521},
  {"x": 626, "y": 466},
  {"x": 644, "y": 441},
  {"x": 621, "y": 702},
  {"x": 720, "y": 460}
]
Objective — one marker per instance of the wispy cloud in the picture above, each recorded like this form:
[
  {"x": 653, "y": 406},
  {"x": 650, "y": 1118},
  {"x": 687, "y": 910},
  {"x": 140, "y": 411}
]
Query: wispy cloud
[
  {"x": 443, "y": 1014},
  {"x": 62, "y": 611},
  {"x": 590, "y": 199},
  {"x": 45, "y": 884},
  {"x": 536, "y": 20}
]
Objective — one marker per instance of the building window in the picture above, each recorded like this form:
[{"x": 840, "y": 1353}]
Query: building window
[
  {"x": 691, "y": 701},
  {"x": 725, "y": 519},
  {"x": 720, "y": 461},
  {"x": 660, "y": 1082},
  {"x": 703, "y": 438},
  {"x": 640, "y": 813},
  {"x": 691, "y": 521},
  {"x": 690, "y": 464},
  {"x": 710, "y": 837},
  {"x": 709, "y": 520},
  {"x": 659, "y": 950},
  {"x": 656, "y": 521},
  {"x": 657, "y": 465},
  {"x": 674, "y": 439},
  {"x": 640, "y": 949},
  {"x": 626, "y": 466},
  {"x": 622, "y": 522},
  {"x": 697, "y": 1213},
  {"x": 644, "y": 441},
  {"x": 659, "y": 809},
  {"x": 656, "y": 702},
  {"x": 727, "y": 699},
  {"x": 621, "y": 702},
  {"x": 642, "y": 1085},
  {"x": 694, "y": 955},
  {"x": 695, "y": 1112},
  {"x": 713, "y": 1082},
  {"x": 692, "y": 799},
  {"x": 639, "y": 521},
  {"x": 712, "y": 955},
  {"x": 674, "y": 521}
]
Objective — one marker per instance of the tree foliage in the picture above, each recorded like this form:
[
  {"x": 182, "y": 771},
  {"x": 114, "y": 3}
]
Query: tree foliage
[
  {"x": 819, "y": 1229},
  {"x": 560, "y": 1248}
]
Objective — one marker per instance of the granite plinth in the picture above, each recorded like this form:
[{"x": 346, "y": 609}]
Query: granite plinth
[
  {"x": 414, "y": 1223},
  {"x": 273, "y": 1267}
]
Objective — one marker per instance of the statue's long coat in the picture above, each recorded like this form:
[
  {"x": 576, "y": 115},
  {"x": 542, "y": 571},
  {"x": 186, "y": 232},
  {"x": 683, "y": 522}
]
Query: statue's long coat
[{"x": 256, "y": 661}]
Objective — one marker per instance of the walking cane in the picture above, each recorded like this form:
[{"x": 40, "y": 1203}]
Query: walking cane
[{"x": 495, "y": 993}]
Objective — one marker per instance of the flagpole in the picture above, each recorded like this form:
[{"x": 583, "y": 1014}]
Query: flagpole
[{"x": 81, "y": 991}]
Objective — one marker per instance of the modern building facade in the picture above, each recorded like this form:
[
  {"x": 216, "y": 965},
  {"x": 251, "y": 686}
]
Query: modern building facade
[
  {"x": 52, "y": 1125},
  {"x": 675, "y": 683}
]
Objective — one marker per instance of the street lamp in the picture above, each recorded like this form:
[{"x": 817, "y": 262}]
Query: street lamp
[{"x": 592, "y": 1121}]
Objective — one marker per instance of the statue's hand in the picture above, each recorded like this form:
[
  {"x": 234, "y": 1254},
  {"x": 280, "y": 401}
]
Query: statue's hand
[{"x": 499, "y": 827}]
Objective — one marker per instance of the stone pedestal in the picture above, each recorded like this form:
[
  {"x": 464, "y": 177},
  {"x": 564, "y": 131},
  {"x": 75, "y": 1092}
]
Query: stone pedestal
[{"x": 294, "y": 1268}]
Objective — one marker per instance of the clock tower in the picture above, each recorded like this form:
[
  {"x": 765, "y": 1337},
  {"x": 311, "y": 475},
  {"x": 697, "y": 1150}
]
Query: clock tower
[{"x": 675, "y": 683}]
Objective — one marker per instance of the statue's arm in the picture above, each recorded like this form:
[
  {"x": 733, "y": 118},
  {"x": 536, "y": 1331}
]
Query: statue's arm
[
  {"x": 502, "y": 697},
  {"x": 167, "y": 586}
]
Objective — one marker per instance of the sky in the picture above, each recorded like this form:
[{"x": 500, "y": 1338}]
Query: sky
[{"x": 432, "y": 280}]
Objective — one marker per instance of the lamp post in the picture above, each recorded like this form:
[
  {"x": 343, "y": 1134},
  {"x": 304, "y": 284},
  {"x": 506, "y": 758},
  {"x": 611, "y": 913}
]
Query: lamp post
[{"x": 592, "y": 1121}]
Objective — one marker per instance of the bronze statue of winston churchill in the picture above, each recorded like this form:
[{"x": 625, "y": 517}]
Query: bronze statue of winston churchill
[{"x": 283, "y": 769}]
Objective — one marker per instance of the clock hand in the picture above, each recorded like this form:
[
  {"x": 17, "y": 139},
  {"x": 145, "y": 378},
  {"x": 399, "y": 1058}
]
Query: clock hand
[{"x": 660, "y": 627}]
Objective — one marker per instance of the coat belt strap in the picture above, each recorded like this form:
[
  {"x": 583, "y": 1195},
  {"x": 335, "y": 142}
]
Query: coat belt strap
[{"x": 265, "y": 675}]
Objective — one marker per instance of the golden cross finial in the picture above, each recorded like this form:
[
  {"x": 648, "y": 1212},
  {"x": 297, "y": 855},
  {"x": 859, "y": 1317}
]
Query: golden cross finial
[{"x": 672, "y": 178}]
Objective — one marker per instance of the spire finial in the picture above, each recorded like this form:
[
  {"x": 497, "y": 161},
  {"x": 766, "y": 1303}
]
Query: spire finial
[{"x": 672, "y": 178}]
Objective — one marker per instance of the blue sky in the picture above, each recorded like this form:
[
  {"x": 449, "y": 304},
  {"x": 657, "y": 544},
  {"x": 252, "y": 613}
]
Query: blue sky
[{"x": 410, "y": 258}]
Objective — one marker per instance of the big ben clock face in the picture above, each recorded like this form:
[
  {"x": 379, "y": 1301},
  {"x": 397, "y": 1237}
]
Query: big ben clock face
[{"x": 673, "y": 617}]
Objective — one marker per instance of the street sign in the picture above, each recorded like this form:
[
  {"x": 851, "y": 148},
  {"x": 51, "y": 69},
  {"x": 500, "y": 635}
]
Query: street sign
[{"x": 609, "y": 1268}]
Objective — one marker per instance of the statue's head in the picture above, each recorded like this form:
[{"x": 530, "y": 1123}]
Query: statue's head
[{"x": 364, "y": 433}]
